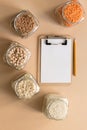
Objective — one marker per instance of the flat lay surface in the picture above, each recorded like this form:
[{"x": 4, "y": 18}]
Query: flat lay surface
[{"x": 16, "y": 114}]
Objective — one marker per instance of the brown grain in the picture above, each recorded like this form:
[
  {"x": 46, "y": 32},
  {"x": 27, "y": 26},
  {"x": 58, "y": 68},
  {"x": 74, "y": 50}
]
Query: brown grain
[{"x": 24, "y": 23}]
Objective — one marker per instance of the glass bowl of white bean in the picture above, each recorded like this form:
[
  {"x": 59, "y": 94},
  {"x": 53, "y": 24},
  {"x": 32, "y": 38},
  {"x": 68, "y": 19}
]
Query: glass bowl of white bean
[
  {"x": 25, "y": 86},
  {"x": 17, "y": 55}
]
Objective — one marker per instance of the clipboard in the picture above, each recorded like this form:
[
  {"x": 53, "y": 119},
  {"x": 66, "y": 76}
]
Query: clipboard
[{"x": 55, "y": 59}]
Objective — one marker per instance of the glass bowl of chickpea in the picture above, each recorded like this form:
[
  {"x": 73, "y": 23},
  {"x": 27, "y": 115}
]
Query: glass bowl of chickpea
[{"x": 17, "y": 55}]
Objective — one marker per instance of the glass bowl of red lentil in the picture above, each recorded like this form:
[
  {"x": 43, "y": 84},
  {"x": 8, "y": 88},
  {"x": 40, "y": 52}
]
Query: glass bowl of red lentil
[
  {"x": 73, "y": 12},
  {"x": 25, "y": 23},
  {"x": 70, "y": 12},
  {"x": 17, "y": 56}
]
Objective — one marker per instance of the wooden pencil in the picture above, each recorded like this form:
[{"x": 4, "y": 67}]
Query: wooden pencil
[{"x": 74, "y": 59}]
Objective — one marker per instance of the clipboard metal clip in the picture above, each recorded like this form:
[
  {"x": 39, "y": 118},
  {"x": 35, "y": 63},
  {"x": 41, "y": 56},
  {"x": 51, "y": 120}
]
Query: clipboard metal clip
[{"x": 65, "y": 43}]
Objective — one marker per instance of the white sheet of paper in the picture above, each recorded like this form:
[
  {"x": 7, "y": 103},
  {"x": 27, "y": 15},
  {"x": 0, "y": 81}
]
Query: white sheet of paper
[{"x": 56, "y": 61}]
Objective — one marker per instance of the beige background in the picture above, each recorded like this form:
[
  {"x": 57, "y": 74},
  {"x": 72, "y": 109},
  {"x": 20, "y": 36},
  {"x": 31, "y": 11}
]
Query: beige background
[{"x": 26, "y": 115}]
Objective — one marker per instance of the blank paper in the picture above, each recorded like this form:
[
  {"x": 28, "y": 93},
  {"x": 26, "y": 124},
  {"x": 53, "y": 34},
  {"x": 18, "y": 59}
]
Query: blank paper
[{"x": 56, "y": 61}]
